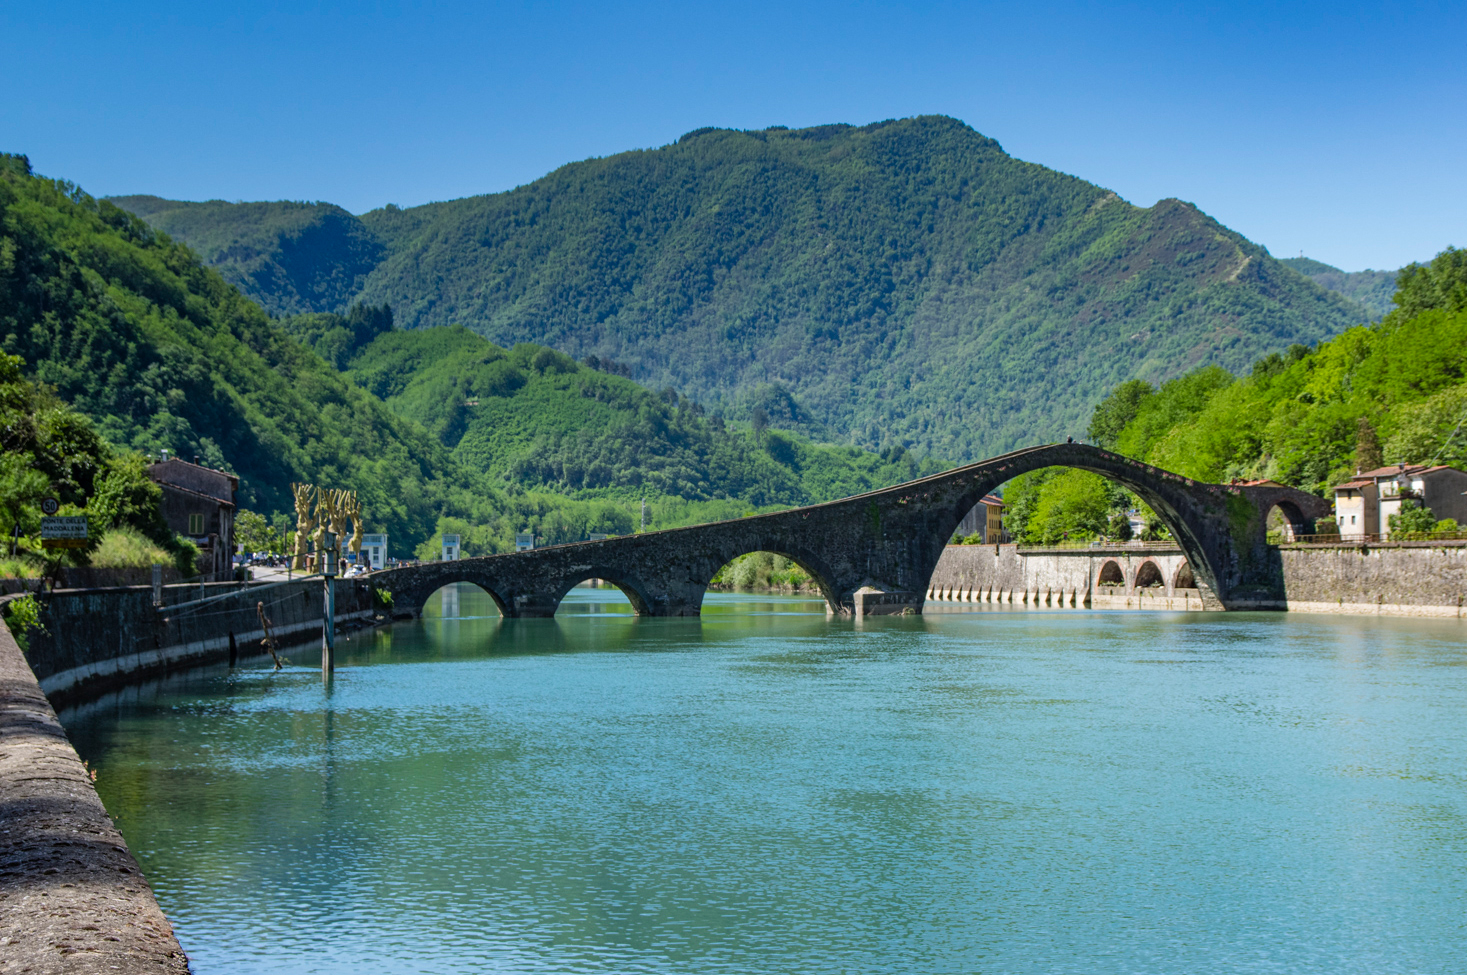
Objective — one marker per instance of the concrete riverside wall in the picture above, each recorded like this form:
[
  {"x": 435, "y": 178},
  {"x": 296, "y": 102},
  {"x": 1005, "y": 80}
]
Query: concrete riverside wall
[
  {"x": 1068, "y": 578},
  {"x": 96, "y": 640},
  {"x": 71, "y": 896},
  {"x": 1390, "y": 579}
]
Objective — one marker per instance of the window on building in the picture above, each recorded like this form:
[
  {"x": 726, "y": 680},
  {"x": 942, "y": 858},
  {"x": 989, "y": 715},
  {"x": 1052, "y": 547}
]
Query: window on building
[
  {"x": 1352, "y": 519},
  {"x": 196, "y": 524}
]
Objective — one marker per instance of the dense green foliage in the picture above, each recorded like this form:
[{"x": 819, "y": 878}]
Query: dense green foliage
[
  {"x": 1371, "y": 289},
  {"x": 48, "y": 449},
  {"x": 908, "y": 282},
  {"x": 1395, "y": 392}
]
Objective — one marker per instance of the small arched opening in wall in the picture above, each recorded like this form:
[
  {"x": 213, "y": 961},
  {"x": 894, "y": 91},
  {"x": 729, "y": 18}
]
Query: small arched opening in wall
[
  {"x": 1285, "y": 523},
  {"x": 599, "y": 596},
  {"x": 462, "y": 601},
  {"x": 1148, "y": 576},
  {"x": 1111, "y": 576},
  {"x": 1184, "y": 578},
  {"x": 771, "y": 572}
]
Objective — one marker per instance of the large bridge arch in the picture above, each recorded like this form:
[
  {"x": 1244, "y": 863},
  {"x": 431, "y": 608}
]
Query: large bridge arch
[
  {"x": 875, "y": 553},
  {"x": 1164, "y": 492}
]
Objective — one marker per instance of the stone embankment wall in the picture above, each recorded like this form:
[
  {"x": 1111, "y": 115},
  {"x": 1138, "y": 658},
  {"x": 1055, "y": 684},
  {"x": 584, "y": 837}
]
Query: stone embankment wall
[
  {"x": 72, "y": 898},
  {"x": 99, "y": 639},
  {"x": 1392, "y": 579},
  {"x": 1400, "y": 579}
]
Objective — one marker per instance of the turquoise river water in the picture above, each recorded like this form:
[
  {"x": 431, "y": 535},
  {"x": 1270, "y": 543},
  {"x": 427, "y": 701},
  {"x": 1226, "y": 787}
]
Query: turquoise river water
[{"x": 767, "y": 790}]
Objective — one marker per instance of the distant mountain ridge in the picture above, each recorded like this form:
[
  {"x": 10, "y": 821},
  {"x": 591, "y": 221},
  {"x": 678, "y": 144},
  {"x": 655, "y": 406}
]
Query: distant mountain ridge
[
  {"x": 289, "y": 257},
  {"x": 1372, "y": 289},
  {"x": 907, "y": 282}
]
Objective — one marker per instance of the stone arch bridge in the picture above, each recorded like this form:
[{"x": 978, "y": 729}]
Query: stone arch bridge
[{"x": 875, "y": 553}]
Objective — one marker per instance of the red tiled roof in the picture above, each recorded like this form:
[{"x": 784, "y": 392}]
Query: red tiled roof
[
  {"x": 1396, "y": 470},
  {"x": 1353, "y": 485},
  {"x": 180, "y": 460}
]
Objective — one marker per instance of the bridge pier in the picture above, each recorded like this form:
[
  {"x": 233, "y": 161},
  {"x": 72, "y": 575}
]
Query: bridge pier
[{"x": 869, "y": 601}]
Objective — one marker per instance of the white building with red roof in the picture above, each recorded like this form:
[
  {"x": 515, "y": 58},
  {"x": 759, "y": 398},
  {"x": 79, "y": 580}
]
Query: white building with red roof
[{"x": 1364, "y": 504}]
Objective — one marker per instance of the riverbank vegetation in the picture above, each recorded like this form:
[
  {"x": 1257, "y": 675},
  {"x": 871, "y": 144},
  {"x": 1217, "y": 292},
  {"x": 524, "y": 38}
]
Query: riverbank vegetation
[
  {"x": 763, "y": 572},
  {"x": 1310, "y": 417}
]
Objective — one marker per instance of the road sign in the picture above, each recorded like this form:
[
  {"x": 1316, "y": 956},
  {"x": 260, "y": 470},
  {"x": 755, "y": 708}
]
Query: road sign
[
  {"x": 49, "y": 506},
  {"x": 69, "y": 531}
]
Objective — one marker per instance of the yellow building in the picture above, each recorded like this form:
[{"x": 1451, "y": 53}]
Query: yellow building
[{"x": 986, "y": 519}]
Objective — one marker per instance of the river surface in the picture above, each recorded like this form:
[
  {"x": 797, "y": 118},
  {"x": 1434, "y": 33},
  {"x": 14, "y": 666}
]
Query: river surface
[{"x": 766, "y": 790}]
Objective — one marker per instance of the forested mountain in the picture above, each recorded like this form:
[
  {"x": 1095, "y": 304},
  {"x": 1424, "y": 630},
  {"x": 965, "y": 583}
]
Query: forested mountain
[
  {"x": 289, "y": 257},
  {"x": 155, "y": 350},
  {"x": 1372, "y": 289},
  {"x": 1394, "y": 392},
  {"x": 907, "y": 282}
]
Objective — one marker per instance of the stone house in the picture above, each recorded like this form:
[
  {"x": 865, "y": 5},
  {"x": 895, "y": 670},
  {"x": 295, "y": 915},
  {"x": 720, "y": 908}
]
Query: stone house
[
  {"x": 1364, "y": 504},
  {"x": 199, "y": 503}
]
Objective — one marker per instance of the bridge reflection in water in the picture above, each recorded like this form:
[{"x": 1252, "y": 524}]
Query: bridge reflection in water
[{"x": 875, "y": 553}]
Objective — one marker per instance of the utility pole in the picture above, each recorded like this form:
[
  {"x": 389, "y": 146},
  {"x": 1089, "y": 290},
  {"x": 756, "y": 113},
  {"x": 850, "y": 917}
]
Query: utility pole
[
  {"x": 644, "y": 512},
  {"x": 328, "y": 553}
]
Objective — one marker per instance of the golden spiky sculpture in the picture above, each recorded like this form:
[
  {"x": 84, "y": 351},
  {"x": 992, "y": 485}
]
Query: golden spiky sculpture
[
  {"x": 328, "y": 515},
  {"x": 352, "y": 508},
  {"x": 305, "y": 525}
]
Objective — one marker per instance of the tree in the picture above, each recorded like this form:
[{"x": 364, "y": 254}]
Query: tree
[
  {"x": 1116, "y": 410},
  {"x": 1074, "y": 504},
  {"x": 254, "y": 533},
  {"x": 1368, "y": 455},
  {"x": 1412, "y": 519}
]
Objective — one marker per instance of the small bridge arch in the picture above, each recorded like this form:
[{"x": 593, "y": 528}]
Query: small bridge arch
[
  {"x": 1111, "y": 574},
  {"x": 800, "y": 555},
  {"x": 629, "y": 586},
  {"x": 1148, "y": 575}
]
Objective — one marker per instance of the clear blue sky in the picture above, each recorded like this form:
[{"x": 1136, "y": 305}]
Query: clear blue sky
[{"x": 1335, "y": 129}]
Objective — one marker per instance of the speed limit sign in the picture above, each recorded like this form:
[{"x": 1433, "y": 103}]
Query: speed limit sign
[{"x": 49, "y": 506}]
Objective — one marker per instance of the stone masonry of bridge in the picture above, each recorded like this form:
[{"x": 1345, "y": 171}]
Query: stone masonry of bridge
[{"x": 875, "y": 553}]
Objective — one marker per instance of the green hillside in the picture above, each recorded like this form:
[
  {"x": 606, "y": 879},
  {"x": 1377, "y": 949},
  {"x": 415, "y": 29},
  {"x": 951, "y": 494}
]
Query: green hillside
[
  {"x": 535, "y": 418},
  {"x": 289, "y": 257},
  {"x": 1371, "y": 289},
  {"x": 908, "y": 282},
  {"x": 156, "y": 351},
  {"x": 129, "y": 328},
  {"x": 1394, "y": 392}
]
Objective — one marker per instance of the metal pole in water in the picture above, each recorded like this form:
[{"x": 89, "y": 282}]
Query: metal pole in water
[
  {"x": 328, "y": 630},
  {"x": 328, "y": 621}
]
